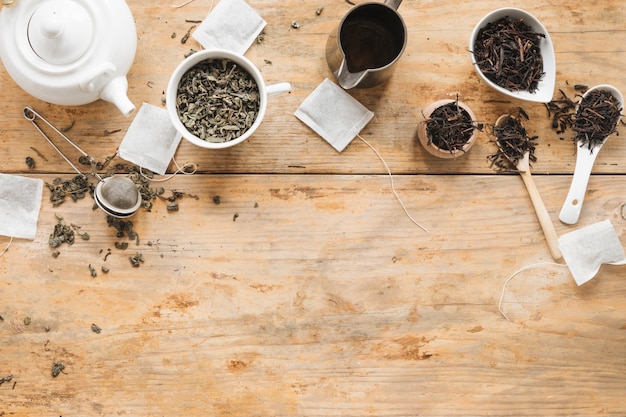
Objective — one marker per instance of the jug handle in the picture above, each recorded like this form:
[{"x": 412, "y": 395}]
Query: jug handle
[{"x": 394, "y": 4}]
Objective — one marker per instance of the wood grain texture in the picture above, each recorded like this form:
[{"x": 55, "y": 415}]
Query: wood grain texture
[
  {"x": 307, "y": 291},
  {"x": 320, "y": 298}
]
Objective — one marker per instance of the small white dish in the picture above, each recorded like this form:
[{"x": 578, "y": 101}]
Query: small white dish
[{"x": 545, "y": 88}]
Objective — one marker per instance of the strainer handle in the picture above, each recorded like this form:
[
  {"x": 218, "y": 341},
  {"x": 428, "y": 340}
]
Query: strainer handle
[{"x": 31, "y": 115}]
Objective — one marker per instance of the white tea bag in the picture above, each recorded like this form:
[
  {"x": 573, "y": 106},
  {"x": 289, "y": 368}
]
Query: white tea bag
[
  {"x": 586, "y": 249},
  {"x": 151, "y": 139},
  {"x": 20, "y": 201},
  {"x": 334, "y": 114},
  {"x": 232, "y": 25}
]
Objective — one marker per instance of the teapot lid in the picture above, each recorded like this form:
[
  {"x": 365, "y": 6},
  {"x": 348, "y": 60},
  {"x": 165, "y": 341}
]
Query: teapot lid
[{"x": 60, "y": 31}]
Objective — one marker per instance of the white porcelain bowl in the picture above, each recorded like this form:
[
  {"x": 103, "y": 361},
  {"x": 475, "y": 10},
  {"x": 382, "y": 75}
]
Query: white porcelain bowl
[
  {"x": 545, "y": 87},
  {"x": 264, "y": 92}
]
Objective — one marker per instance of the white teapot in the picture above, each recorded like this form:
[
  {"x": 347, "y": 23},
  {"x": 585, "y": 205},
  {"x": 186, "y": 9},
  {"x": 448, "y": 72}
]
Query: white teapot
[{"x": 69, "y": 52}]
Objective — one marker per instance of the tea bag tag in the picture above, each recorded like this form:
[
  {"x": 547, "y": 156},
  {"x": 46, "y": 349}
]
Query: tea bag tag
[
  {"x": 586, "y": 249},
  {"x": 151, "y": 139},
  {"x": 334, "y": 114},
  {"x": 20, "y": 201},
  {"x": 232, "y": 25}
]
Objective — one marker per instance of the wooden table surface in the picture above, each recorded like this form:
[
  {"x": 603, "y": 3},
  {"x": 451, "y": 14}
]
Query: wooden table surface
[{"x": 307, "y": 291}]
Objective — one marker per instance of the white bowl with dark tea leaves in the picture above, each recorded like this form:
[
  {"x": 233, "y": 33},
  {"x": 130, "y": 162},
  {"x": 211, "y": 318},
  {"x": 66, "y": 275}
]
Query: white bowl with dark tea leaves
[
  {"x": 513, "y": 53},
  {"x": 217, "y": 98}
]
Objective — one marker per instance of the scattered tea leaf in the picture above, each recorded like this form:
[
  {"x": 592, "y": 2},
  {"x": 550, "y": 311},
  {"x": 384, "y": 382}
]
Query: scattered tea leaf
[
  {"x": 76, "y": 188},
  {"x": 121, "y": 245},
  {"x": 136, "y": 260},
  {"x": 57, "y": 368},
  {"x": 95, "y": 328},
  {"x": 62, "y": 233}
]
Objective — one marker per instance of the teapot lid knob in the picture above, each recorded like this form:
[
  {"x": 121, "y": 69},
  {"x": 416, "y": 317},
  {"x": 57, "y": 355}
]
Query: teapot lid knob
[{"x": 60, "y": 31}]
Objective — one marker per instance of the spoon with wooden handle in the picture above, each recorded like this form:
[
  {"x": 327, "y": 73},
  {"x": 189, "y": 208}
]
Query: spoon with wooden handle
[
  {"x": 585, "y": 157},
  {"x": 523, "y": 166}
]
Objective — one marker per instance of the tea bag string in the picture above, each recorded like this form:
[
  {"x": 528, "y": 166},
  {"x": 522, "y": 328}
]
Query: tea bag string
[
  {"x": 516, "y": 273},
  {"x": 393, "y": 188},
  {"x": 7, "y": 247},
  {"x": 31, "y": 115},
  {"x": 182, "y": 170}
]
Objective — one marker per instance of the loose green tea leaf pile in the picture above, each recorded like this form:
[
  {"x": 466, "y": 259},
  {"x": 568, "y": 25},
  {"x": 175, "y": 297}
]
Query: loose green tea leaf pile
[
  {"x": 508, "y": 53},
  {"x": 596, "y": 118},
  {"x": 76, "y": 188},
  {"x": 513, "y": 141},
  {"x": 217, "y": 100},
  {"x": 450, "y": 127}
]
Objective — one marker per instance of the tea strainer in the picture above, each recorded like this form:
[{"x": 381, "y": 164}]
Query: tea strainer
[{"x": 117, "y": 196}]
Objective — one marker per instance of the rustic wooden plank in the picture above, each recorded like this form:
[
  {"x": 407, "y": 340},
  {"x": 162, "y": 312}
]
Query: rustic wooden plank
[{"x": 320, "y": 298}]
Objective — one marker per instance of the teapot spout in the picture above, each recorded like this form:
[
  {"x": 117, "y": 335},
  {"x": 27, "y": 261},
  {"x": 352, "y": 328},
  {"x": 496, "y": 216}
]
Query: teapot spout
[
  {"x": 347, "y": 79},
  {"x": 115, "y": 92}
]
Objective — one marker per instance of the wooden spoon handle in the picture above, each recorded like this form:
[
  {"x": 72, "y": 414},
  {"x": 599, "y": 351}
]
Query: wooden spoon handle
[{"x": 542, "y": 214}]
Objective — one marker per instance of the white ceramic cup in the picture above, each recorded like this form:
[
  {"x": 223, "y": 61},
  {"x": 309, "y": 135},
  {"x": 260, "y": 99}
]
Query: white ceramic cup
[{"x": 265, "y": 91}]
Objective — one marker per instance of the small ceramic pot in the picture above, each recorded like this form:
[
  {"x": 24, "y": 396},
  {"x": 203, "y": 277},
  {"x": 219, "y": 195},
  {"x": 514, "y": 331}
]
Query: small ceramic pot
[{"x": 430, "y": 146}]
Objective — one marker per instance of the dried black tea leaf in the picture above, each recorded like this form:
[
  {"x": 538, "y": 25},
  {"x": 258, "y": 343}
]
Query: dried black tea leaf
[
  {"x": 513, "y": 141},
  {"x": 508, "y": 53},
  {"x": 450, "y": 127},
  {"x": 596, "y": 118},
  {"x": 562, "y": 113}
]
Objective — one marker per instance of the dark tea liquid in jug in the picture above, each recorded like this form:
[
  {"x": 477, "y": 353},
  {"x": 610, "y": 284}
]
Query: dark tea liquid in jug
[{"x": 371, "y": 38}]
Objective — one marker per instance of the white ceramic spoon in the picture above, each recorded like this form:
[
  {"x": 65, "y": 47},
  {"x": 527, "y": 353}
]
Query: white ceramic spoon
[{"x": 585, "y": 158}]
